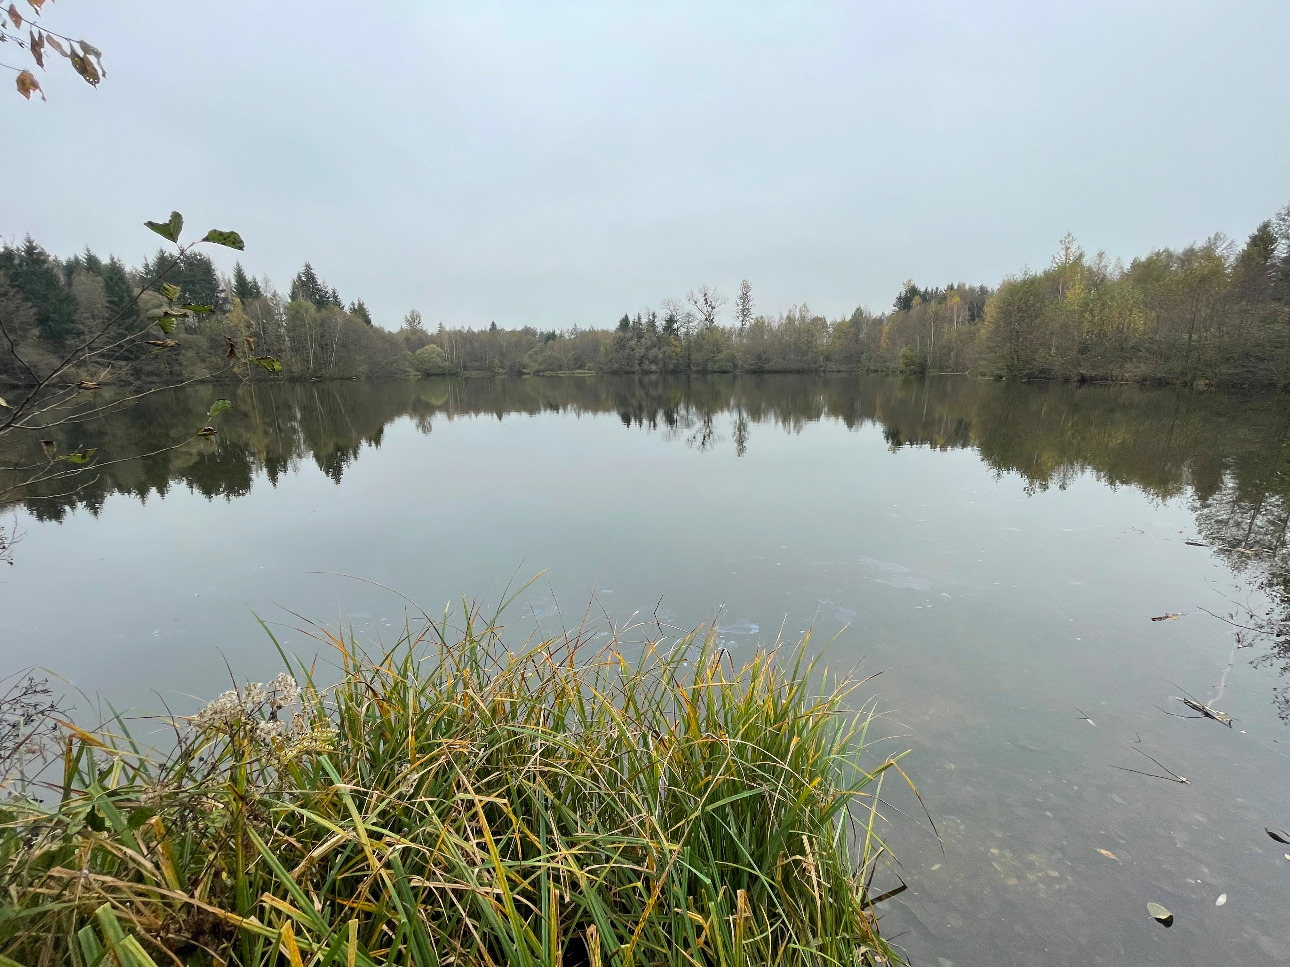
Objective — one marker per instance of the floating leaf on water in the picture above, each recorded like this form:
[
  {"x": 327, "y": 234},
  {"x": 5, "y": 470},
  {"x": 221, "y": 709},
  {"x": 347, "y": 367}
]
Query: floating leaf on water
[
  {"x": 1161, "y": 914},
  {"x": 1107, "y": 853},
  {"x": 1222, "y": 898},
  {"x": 1280, "y": 835},
  {"x": 1167, "y": 616}
]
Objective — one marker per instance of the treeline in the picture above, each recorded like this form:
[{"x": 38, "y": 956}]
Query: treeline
[{"x": 1211, "y": 313}]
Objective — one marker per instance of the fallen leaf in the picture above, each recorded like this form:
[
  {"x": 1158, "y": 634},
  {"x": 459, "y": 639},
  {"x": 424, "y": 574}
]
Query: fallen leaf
[
  {"x": 1167, "y": 616},
  {"x": 1280, "y": 835},
  {"x": 1222, "y": 898},
  {"x": 1161, "y": 914},
  {"x": 1108, "y": 854}
]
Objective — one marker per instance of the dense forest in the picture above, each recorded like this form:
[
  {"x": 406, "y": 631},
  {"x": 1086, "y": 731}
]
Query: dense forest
[{"x": 1213, "y": 313}]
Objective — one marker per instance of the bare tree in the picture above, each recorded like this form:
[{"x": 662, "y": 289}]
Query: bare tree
[{"x": 707, "y": 302}]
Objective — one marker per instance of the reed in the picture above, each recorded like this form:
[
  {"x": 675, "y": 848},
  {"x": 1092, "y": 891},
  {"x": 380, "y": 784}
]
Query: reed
[{"x": 449, "y": 801}]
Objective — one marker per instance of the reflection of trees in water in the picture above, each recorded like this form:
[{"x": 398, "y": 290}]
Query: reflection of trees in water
[{"x": 1230, "y": 456}]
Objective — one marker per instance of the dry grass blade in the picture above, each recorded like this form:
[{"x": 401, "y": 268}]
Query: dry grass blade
[{"x": 454, "y": 800}]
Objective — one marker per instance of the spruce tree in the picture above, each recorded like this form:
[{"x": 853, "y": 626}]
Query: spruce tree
[{"x": 245, "y": 287}]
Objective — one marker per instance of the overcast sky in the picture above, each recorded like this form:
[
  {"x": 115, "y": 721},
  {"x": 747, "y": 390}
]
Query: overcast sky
[{"x": 556, "y": 164}]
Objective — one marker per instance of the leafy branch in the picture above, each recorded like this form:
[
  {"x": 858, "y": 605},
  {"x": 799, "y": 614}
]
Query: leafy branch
[
  {"x": 53, "y": 399},
  {"x": 84, "y": 57}
]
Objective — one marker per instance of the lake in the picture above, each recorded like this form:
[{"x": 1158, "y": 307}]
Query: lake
[{"x": 997, "y": 551}]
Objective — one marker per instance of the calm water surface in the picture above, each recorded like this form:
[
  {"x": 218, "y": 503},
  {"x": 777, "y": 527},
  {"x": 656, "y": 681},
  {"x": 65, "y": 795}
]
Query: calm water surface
[{"x": 998, "y": 552}]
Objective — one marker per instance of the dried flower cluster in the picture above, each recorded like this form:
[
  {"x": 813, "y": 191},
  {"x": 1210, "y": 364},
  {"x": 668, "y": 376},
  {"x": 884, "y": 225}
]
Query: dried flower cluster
[{"x": 254, "y": 712}]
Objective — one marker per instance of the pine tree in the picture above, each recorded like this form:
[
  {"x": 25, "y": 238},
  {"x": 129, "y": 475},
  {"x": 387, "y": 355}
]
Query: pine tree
[
  {"x": 358, "y": 309},
  {"x": 245, "y": 287},
  {"x": 36, "y": 276},
  {"x": 305, "y": 286}
]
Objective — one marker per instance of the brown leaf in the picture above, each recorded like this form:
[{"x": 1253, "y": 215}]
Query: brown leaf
[
  {"x": 250, "y": 344},
  {"x": 1167, "y": 616},
  {"x": 36, "y": 44},
  {"x": 27, "y": 83},
  {"x": 83, "y": 66},
  {"x": 94, "y": 55},
  {"x": 89, "y": 384},
  {"x": 53, "y": 42},
  {"x": 230, "y": 348},
  {"x": 15, "y": 16},
  {"x": 163, "y": 343},
  {"x": 1107, "y": 853},
  {"x": 36, "y": 4},
  {"x": 207, "y": 431}
]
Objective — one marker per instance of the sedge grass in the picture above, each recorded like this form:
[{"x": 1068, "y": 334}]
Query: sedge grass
[{"x": 453, "y": 802}]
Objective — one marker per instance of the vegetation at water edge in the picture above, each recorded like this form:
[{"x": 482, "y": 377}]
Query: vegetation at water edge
[{"x": 450, "y": 801}]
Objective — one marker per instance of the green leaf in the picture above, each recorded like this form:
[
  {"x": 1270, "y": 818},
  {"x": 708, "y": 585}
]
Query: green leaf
[
  {"x": 1160, "y": 913},
  {"x": 170, "y": 291},
  {"x": 168, "y": 230},
  {"x": 80, "y": 457},
  {"x": 140, "y": 816},
  {"x": 269, "y": 363},
  {"x": 190, "y": 307},
  {"x": 229, "y": 239},
  {"x": 218, "y": 407},
  {"x": 166, "y": 324}
]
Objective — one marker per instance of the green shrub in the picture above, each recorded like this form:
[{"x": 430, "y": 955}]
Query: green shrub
[
  {"x": 430, "y": 360},
  {"x": 911, "y": 362}
]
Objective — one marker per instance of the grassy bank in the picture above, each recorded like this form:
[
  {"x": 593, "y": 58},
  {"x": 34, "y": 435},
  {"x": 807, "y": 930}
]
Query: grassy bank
[{"x": 449, "y": 801}]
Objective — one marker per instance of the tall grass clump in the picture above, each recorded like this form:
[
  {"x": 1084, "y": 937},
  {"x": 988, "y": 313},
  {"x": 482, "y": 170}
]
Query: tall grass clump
[{"x": 452, "y": 802}]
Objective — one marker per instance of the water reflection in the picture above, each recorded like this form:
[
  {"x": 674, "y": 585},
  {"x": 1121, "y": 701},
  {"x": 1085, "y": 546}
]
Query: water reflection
[{"x": 1230, "y": 456}]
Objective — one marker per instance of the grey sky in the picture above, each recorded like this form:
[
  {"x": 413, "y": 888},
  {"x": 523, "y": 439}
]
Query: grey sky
[{"x": 544, "y": 164}]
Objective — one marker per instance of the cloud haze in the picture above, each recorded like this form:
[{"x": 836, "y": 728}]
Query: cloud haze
[{"x": 558, "y": 164}]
